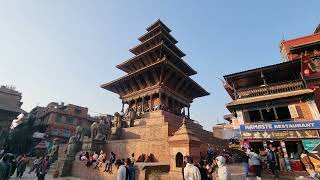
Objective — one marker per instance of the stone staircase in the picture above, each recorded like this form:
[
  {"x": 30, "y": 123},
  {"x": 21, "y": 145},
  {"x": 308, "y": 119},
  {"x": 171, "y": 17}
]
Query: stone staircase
[{"x": 80, "y": 170}]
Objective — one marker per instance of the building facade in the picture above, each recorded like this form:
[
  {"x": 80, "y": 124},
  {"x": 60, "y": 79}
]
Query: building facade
[
  {"x": 278, "y": 104},
  {"x": 308, "y": 45},
  {"x": 10, "y": 108},
  {"x": 60, "y": 121}
]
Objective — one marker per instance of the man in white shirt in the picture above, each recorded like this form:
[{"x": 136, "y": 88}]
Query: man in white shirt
[
  {"x": 122, "y": 170},
  {"x": 191, "y": 172}
]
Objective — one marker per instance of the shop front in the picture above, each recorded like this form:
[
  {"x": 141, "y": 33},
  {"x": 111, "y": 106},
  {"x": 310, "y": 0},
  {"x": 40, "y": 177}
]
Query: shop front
[{"x": 292, "y": 137}]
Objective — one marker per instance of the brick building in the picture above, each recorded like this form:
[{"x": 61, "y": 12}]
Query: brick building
[{"x": 61, "y": 120}]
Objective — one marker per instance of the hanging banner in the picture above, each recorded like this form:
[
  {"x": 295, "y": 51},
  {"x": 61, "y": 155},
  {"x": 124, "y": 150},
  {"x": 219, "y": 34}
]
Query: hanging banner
[
  {"x": 278, "y": 126},
  {"x": 280, "y": 134},
  {"x": 313, "y": 147}
]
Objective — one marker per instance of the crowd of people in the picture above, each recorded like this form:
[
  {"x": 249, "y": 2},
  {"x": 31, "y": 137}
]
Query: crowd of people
[
  {"x": 213, "y": 167},
  {"x": 125, "y": 168},
  {"x": 205, "y": 169},
  {"x": 9, "y": 164},
  {"x": 272, "y": 159}
]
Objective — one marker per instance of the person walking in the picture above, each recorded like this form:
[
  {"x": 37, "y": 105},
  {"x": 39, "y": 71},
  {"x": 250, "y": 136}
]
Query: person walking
[
  {"x": 282, "y": 164},
  {"x": 191, "y": 172},
  {"x": 256, "y": 162},
  {"x": 305, "y": 159},
  {"x": 211, "y": 168},
  {"x": 273, "y": 161},
  {"x": 184, "y": 163},
  {"x": 5, "y": 168},
  {"x": 122, "y": 170},
  {"x": 13, "y": 164},
  {"x": 223, "y": 172},
  {"x": 35, "y": 164},
  {"x": 202, "y": 170},
  {"x": 21, "y": 165},
  {"x": 43, "y": 168},
  {"x": 245, "y": 163},
  {"x": 130, "y": 169}
]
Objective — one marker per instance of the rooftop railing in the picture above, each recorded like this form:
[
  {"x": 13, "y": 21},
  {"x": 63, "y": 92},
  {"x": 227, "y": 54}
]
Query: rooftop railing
[{"x": 271, "y": 89}]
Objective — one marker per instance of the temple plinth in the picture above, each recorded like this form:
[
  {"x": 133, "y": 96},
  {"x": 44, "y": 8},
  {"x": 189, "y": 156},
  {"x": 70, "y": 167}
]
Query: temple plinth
[{"x": 157, "y": 77}]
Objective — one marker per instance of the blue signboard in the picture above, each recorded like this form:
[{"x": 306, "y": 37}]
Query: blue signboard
[{"x": 281, "y": 126}]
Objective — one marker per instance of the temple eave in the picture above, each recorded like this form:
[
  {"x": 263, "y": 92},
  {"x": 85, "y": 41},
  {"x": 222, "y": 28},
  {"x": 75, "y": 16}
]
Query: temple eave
[
  {"x": 196, "y": 85},
  {"x": 147, "y": 35},
  {"x": 123, "y": 65},
  {"x": 191, "y": 88},
  {"x": 187, "y": 68},
  {"x": 135, "y": 50},
  {"x": 157, "y": 23},
  {"x": 106, "y": 85}
]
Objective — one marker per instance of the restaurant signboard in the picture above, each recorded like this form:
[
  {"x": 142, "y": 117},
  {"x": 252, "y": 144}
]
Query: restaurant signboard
[{"x": 281, "y": 126}]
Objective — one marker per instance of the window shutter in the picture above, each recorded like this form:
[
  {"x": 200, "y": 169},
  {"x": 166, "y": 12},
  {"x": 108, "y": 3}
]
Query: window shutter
[
  {"x": 293, "y": 111},
  {"x": 299, "y": 111}
]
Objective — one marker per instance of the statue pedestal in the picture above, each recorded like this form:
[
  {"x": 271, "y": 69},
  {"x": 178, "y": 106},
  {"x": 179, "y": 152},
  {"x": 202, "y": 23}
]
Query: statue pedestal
[
  {"x": 93, "y": 145},
  {"x": 65, "y": 166},
  {"x": 115, "y": 133}
]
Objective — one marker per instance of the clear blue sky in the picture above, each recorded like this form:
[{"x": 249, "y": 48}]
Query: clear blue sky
[{"x": 62, "y": 50}]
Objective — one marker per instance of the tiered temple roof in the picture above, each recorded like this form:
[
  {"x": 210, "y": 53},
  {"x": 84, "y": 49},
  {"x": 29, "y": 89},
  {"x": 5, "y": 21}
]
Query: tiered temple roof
[{"x": 157, "y": 70}]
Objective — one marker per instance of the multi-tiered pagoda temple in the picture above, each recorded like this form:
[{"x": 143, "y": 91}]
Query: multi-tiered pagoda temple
[
  {"x": 159, "y": 90},
  {"x": 157, "y": 76}
]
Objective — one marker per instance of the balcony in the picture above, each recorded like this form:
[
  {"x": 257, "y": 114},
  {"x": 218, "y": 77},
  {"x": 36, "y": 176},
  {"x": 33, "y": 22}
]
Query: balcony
[{"x": 271, "y": 89}]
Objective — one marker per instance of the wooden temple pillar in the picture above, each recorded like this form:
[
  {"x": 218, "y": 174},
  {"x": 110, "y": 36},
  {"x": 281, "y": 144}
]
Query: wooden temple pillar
[
  {"x": 179, "y": 108},
  {"x": 167, "y": 101},
  {"x": 173, "y": 106},
  {"x": 188, "y": 111},
  {"x": 142, "y": 105},
  {"x": 160, "y": 100},
  {"x": 135, "y": 104},
  {"x": 122, "y": 109},
  {"x": 151, "y": 103}
]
